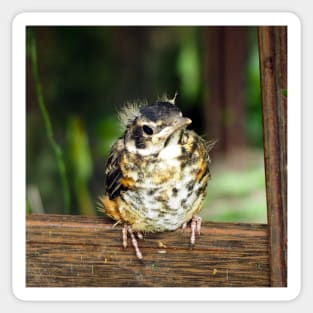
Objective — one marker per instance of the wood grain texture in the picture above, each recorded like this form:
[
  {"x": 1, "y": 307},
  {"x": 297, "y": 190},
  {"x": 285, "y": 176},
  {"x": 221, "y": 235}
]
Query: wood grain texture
[
  {"x": 273, "y": 70},
  {"x": 73, "y": 251}
]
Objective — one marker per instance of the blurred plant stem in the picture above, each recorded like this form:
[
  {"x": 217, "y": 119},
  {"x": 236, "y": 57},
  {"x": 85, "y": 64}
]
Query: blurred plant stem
[
  {"x": 79, "y": 155},
  {"x": 48, "y": 125}
]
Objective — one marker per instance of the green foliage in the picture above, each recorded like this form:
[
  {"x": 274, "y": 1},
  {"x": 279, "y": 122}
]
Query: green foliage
[
  {"x": 188, "y": 66},
  {"x": 107, "y": 130},
  {"x": 78, "y": 149},
  {"x": 47, "y": 121},
  {"x": 253, "y": 98},
  {"x": 237, "y": 195},
  {"x": 80, "y": 162},
  {"x": 28, "y": 207},
  {"x": 234, "y": 184}
]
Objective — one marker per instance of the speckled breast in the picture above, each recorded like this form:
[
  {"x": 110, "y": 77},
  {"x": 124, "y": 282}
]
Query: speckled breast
[{"x": 165, "y": 190}]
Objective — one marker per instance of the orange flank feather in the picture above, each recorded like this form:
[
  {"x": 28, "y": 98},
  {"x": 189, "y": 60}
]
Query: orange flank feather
[
  {"x": 110, "y": 207},
  {"x": 127, "y": 182}
]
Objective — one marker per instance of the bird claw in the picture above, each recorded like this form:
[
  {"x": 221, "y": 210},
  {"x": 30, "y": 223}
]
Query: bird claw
[
  {"x": 139, "y": 235},
  {"x": 195, "y": 227},
  {"x": 184, "y": 226},
  {"x": 128, "y": 230}
]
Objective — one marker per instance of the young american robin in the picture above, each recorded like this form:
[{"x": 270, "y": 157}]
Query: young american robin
[{"x": 156, "y": 173}]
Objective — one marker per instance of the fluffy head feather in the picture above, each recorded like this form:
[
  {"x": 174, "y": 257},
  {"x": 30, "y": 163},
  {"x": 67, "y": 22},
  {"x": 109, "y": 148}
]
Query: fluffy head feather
[
  {"x": 129, "y": 112},
  {"x": 164, "y": 98}
]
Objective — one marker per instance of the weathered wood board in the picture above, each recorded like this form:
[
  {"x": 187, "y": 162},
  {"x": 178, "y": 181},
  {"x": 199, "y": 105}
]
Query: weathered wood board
[{"x": 76, "y": 251}]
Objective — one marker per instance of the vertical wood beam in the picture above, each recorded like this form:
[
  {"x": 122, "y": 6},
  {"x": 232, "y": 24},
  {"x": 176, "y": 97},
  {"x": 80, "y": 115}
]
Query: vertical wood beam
[
  {"x": 235, "y": 56},
  {"x": 214, "y": 76},
  {"x": 273, "y": 71},
  {"x": 224, "y": 74}
]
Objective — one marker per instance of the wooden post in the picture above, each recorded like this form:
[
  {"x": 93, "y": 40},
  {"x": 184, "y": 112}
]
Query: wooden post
[
  {"x": 224, "y": 73},
  {"x": 273, "y": 70}
]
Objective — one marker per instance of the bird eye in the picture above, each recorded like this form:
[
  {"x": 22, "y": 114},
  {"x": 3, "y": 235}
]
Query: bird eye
[{"x": 148, "y": 130}]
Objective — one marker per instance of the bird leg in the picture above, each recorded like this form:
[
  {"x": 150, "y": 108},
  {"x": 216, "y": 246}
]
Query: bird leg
[
  {"x": 124, "y": 236},
  {"x": 128, "y": 230},
  {"x": 195, "y": 227}
]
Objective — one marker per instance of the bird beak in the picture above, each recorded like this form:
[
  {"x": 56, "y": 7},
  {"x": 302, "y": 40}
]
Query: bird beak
[{"x": 178, "y": 123}]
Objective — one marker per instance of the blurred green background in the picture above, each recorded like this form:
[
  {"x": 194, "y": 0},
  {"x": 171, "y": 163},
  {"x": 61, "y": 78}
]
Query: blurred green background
[{"x": 79, "y": 77}]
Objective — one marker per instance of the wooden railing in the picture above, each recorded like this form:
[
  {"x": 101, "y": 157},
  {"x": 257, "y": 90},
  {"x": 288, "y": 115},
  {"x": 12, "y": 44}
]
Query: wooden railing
[{"x": 71, "y": 251}]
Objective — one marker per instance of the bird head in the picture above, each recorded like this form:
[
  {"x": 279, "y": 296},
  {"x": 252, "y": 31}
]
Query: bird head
[{"x": 150, "y": 128}]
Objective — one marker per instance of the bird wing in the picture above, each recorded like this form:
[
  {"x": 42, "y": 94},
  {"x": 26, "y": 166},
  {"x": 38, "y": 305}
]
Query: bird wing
[{"x": 113, "y": 172}]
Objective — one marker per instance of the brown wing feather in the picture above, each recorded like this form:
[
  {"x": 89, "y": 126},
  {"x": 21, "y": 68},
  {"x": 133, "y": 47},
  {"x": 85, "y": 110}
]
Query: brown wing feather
[{"x": 113, "y": 173}]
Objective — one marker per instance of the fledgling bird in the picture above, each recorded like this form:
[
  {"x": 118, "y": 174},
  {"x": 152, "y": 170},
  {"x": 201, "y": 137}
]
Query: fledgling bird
[{"x": 157, "y": 172}]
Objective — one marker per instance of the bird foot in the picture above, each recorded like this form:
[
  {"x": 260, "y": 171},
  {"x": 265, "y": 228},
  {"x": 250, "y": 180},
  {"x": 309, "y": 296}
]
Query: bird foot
[
  {"x": 128, "y": 230},
  {"x": 184, "y": 226},
  {"x": 195, "y": 228}
]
